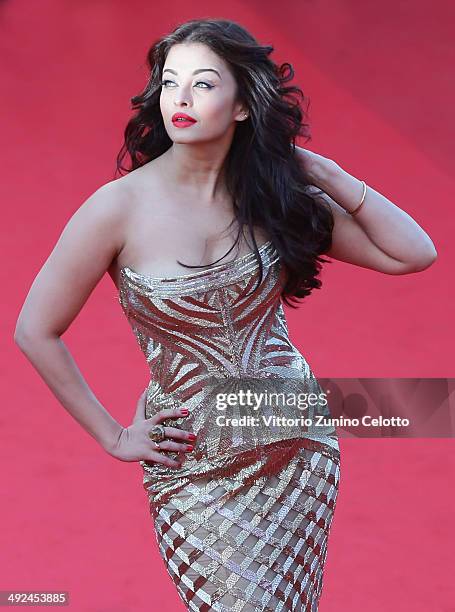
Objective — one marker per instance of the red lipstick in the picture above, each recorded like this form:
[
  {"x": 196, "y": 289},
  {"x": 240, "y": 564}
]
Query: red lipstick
[{"x": 182, "y": 120}]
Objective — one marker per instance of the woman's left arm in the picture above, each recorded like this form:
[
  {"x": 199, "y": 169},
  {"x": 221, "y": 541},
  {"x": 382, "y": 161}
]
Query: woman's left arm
[{"x": 381, "y": 236}]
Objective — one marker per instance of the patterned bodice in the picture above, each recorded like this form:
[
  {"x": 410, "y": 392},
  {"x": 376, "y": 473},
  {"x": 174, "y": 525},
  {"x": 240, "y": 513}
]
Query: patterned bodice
[{"x": 208, "y": 327}]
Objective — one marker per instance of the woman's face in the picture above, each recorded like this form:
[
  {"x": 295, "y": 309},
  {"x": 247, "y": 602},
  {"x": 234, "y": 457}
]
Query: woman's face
[{"x": 198, "y": 83}]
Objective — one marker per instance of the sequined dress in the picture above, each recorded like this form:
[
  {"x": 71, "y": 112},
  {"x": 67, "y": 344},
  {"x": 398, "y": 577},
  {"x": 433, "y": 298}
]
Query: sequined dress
[{"x": 243, "y": 524}]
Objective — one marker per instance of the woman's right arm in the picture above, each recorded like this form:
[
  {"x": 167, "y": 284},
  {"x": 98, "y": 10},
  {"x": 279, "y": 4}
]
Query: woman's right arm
[{"x": 87, "y": 246}]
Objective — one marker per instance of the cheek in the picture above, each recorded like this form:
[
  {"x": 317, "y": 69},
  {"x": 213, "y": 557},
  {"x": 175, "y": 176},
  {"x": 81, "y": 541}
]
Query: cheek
[{"x": 218, "y": 111}]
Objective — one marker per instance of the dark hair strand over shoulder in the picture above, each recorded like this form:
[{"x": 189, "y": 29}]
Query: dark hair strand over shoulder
[{"x": 264, "y": 177}]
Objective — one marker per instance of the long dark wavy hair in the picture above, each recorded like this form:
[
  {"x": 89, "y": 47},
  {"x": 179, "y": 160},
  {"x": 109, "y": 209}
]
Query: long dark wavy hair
[{"x": 267, "y": 183}]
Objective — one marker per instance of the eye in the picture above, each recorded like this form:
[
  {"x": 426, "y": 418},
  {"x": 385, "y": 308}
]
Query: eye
[
  {"x": 207, "y": 86},
  {"x": 204, "y": 83}
]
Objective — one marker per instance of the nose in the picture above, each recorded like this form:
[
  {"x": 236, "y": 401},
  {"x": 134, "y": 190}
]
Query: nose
[
  {"x": 181, "y": 101},
  {"x": 183, "y": 97}
]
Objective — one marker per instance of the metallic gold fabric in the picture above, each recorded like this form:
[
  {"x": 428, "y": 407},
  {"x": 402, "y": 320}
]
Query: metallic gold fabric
[{"x": 243, "y": 524}]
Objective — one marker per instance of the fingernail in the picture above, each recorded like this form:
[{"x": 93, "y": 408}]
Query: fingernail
[
  {"x": 189, "y": 447},
  {"x": 184, "y": 411},
  {"x": 192, "y": 436}
]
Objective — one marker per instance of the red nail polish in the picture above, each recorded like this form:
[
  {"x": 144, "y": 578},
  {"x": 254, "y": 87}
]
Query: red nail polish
[
  {"x": 192, "y": 436},
  {"x": 184, "y": 411},
  {"x": 189, "y": 447}
]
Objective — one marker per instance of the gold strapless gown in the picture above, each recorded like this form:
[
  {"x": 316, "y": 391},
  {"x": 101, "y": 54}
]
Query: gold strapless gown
[{"x": 243, "y": 525}]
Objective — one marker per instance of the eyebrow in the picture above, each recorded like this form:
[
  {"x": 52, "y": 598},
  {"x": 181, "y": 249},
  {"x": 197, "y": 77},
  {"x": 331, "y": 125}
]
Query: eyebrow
[{"x": 196, "y": 71}]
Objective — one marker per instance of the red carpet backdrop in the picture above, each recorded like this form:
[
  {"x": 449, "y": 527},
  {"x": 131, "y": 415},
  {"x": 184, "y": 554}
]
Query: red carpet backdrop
[{"x": 379, "y": 77}]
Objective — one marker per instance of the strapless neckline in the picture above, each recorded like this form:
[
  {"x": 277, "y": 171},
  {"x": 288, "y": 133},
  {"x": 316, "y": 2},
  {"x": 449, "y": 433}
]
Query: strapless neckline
[{"x": 194, "y": 275}]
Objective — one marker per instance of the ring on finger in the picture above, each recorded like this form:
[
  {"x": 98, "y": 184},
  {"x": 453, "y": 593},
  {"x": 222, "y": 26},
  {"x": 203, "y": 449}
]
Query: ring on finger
[
  {"x": 157, "y": 445},
  {"x": 157, "y": 433}
]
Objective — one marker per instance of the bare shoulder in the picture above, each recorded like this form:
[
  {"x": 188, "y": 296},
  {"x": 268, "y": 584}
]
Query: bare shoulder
[
  {"x": 84, "y": 251},
  {"x": 110, "y": 202},
  {"x": 101, "y": 218}
]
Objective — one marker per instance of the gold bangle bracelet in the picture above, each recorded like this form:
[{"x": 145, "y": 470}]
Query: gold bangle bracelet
[{"x": 356, "y": 210}]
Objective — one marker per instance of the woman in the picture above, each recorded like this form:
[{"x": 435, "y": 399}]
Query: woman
[{"x": 242, "y": 516}]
